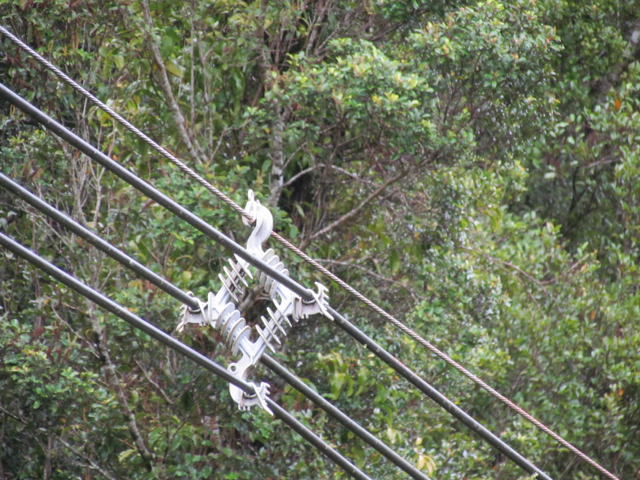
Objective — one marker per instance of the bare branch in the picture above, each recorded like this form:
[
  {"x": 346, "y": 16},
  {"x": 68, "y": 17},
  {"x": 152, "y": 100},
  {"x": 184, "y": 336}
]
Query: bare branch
[
  {"x": 111, "y": 376},
  {"x": 571, "y": 269},
  {"x": 165, "y": 85},
  {"x": 503, "y": 266},
  {"x": 286, "y": 163},
  {"x": 319, "y": 13},
  {"x": 371, "y": 273},
  {"x": 277, "y": 149},
  {"x": 510, "y": 265},
  {"x": 148, "y": 377},
  {"x": 355, "y": 177},
  {"x": 9, "y": 414},
  {"x": 604, "y": 161},
  {"x": 357, "y": 210},
  {"x": 341, "y": 170},
  {"x": 90, "y": 463},
  {"x": 300, "y": 174},
  {"x": 277, "y": 156}
]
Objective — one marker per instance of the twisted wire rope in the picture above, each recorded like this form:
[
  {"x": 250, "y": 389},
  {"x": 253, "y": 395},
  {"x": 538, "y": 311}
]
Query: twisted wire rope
[{"x": 238, "y": 209}]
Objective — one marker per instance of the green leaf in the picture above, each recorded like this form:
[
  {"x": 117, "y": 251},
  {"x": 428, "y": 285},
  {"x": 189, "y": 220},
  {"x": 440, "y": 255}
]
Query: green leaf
[
  {"x": 358, "y": 454},
  {"x": 173, "y": 69},
  {"x": 394, "y": 262},
  {"x": 123, "y": 456},
  {"x": 118, "y": 60}
]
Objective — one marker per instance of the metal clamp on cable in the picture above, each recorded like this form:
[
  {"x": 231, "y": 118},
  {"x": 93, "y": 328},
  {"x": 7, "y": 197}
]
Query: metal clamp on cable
[{"x": 220, "y": 310}]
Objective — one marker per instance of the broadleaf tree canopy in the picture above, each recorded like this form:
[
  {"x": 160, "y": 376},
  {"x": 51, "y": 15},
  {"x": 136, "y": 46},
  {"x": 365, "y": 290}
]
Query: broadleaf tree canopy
[{"x": 470, "y": 166}]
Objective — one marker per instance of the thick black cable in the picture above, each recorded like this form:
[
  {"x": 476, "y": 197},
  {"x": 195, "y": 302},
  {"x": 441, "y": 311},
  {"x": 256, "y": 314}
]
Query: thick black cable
[
  {"x": 335, "y": 412},
  {"x": 215, "y": 235},
  {"x": 436, "y": 396},
  {"x": 151, "y": 192},
  {"x": 122, "y": 312},
  {"x": 96, "y": 241},
  {"x": 179, "y": 347},
  {"x": 190, "y": 301},
  {"x": 172, "y": 158}
]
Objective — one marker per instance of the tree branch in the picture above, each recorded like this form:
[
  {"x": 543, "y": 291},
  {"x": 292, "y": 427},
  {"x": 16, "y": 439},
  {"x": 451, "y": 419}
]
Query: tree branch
[
  {"x": 276, "y": 178},
  {"x": 341, "y": 170},
  {"x": 148, "y": 377},
  {"x": 100, "y": 343},
  {"x": 375, "y": 275},
  {"x": 357, "y": 210},
  {"x": 300, "y": 174},
  {"x": 165, "y": 85},
  {"x": 510, "y": 265},
  {"x": 90, "y": 463},
  {"x": 111, "y": 376}
]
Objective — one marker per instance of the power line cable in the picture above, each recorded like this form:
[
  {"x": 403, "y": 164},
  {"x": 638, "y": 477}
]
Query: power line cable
[
  {"x": 137, "y": 132},
  {"x": 309, "y": 260},
  {"x": 179, "y": 347},
  {"x": 191, "y": 302},
  {"x": 397, "y": 323},
  {"x": 217, "y": 236},
  {"x": 151, "y": 192}
]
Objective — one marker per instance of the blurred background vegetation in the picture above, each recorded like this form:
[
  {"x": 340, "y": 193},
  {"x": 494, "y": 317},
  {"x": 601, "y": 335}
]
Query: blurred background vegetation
[{"x": 473, "y": 167}]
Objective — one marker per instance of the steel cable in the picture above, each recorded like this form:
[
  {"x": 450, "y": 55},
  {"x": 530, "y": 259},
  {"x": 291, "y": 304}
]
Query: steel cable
[
  {"x": 440, "y": 354},
  {"x": 222, "y": 239},
  {"x": 312, "y": 262},
  {"x": 179, "y": 347},
  {"x": 192, "y": 302},
  {"x": 137, "y": 132}
]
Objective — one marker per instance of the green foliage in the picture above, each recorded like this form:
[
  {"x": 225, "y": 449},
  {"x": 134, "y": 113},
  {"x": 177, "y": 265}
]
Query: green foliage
[{"x": 471, "y": 166}]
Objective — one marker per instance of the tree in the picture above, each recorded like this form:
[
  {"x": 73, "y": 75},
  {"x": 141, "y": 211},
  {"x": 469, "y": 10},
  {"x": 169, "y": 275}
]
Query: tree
[{"x": 469, "y": 166}]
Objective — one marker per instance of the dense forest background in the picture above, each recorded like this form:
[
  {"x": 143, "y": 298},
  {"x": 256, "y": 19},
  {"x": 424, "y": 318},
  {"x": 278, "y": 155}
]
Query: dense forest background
[{"x": 472, "y": 167}]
